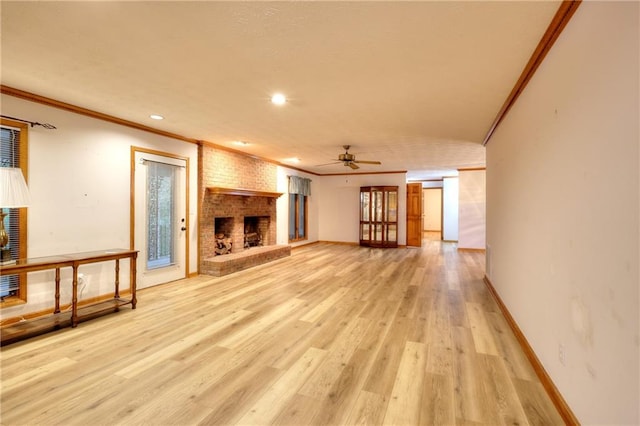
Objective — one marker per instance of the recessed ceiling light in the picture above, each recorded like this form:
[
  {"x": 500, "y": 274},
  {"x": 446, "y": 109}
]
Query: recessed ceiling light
[
  {"x": 156, "y": 117},
  {"x": 279, "y": 99},
  {"x": 292, "y": 160},
  {"x": 240, "y": 143}
]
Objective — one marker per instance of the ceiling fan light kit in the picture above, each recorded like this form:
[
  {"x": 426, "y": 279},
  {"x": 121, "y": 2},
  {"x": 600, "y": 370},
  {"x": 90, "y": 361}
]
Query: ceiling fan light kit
[{"x": 349, "y": 160}]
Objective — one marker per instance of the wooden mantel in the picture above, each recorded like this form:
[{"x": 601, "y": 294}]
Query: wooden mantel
[{"x": 242, "y": 192}]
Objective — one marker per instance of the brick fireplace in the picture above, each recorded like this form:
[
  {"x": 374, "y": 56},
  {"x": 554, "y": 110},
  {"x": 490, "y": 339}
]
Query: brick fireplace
[
  {"x": 234, "y": 215},
  {"x": 233, "y": 187}
]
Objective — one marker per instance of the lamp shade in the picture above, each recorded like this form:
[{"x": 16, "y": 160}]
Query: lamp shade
[{"x": 13, "y": 188}]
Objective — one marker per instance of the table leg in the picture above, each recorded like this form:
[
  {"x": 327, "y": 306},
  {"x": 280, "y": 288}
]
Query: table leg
[
  {"x": 132, "y": 279},
  {"x": 117, "y": 294},
  {"x": 74, "y": 300},
  {"x": 57, "y": 309}
]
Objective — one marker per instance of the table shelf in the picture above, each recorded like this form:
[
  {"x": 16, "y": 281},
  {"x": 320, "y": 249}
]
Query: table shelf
[
  {"x": 21, "y": 330},
  {"x": 14, "y": 332}
]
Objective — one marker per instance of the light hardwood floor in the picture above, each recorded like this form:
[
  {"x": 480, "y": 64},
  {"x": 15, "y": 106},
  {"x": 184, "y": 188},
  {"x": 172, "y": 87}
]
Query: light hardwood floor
[{"x": 334, "y": 334}]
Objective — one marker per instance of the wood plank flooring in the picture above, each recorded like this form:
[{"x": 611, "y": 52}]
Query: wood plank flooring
[{"x": 333, "y": 335}]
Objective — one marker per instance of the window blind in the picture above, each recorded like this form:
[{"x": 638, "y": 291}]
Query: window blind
[{"x": 10, "y": 157}]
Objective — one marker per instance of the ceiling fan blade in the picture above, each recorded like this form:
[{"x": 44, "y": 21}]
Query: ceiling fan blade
[
  {"x": 328, "y": 164},
  {"x": 353, "y": 165},
  {"x": 367, "y": 162}
]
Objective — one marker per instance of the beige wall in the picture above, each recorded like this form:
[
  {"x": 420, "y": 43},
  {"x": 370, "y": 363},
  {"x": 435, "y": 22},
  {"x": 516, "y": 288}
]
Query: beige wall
[
  {"x": 471, "y": 209},
  {"x": 450, "y": 208},
  {"x": 563, "y": 198},
  {"x": 432, "y": 208},
  {"x": 339, "y": 204},
  {"x": 79, "y": 180}
]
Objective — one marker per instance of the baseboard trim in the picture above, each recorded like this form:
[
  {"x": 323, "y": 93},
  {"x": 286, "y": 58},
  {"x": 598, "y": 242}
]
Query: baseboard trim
[
  {"x": 478, "y": 250},
  {"x": 557, "y": 399},
  {"x": 344, "y": 243},
  {"x": 306, "y": 244}
]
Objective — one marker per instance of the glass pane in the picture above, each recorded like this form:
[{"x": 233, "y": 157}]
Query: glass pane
[
  {"x": 392, "y": 206},
  {"x": 364, "y": 206},
  {"x": 301, "y": 221},
  {"x": 160, "y": 215},
  {"x": 392, "y": 233},
  {"x": 364, "y": 231},
  {"x": 292, "y": 216},
  {"x": 377, "y": 206},
  {"x": 377, "y": 233}
]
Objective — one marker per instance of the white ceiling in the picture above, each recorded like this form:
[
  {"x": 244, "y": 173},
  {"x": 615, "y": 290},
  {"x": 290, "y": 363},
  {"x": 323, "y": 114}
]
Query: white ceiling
[{"x": 415, "y": 85}]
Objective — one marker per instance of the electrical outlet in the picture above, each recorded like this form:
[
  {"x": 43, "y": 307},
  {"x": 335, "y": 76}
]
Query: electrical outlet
[{"x": 562, "y": 354}]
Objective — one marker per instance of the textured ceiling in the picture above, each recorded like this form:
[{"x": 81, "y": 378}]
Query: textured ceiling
[{"x": 415, "y": 85}]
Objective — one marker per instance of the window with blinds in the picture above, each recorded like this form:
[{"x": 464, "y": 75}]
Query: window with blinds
[
  {"x": 297, "y": 217},
  {"x": 13, "y": 154}
]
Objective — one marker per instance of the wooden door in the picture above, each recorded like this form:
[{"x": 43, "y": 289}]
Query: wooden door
[{"x": 414, "y": 214}]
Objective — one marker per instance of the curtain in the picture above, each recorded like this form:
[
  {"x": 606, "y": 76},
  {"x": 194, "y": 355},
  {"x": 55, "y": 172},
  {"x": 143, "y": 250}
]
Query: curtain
[{"x": 299, "y": 185}]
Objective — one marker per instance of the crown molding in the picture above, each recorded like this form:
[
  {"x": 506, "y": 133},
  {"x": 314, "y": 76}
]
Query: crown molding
[
  {"x": 471, "y": 169},
  {"x": 558, "y": 23}
]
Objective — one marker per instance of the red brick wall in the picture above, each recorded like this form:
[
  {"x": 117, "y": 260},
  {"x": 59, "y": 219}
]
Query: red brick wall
[
  {"x": 219, "y": 168},
  {"x": 229, "y": 170}
]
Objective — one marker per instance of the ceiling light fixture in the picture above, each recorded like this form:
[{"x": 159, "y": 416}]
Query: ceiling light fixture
[
  {"x": 292, "y": 160},
  {"x": 278, "y": 99},
  {"x": 156, "y": 117},
  {"x": 241, "y": 143}
]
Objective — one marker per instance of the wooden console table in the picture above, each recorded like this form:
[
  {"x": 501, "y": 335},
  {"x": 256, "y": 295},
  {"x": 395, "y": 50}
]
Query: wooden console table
[{"x": 17, "y": 331}]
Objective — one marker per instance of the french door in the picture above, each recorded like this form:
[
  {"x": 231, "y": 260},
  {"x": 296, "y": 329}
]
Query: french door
[{"x": 160, "y": 227}]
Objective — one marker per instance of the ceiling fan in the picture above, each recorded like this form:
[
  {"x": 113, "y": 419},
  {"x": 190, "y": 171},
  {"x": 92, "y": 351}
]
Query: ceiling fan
[{"x": 349, "y": 160}]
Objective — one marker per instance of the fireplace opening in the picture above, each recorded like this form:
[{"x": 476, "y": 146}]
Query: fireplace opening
[
  {"x": 223, "y": 231},
  {"x": 256, "y": 231}
]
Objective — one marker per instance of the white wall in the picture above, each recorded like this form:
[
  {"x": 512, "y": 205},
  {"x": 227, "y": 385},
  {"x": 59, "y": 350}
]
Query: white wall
[
  {"x": 282, "y": 207},
  {"x": 472, "y": 209},
  {"x": 432, "y": 184},
  {"x": 432, "y": 208},
  {"x": 79, "y": 183},
  {"x": 450, "y": 209},
  {"x": 334, "y": 204},
  {"x": 339, "y": 205},
  {"x": 563, "y": 197}
]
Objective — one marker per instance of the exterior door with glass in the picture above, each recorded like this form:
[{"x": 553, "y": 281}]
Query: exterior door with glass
[{"x": 160, "y": 228}]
